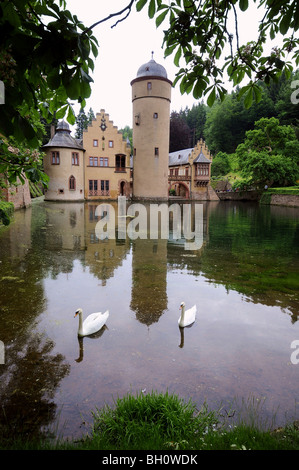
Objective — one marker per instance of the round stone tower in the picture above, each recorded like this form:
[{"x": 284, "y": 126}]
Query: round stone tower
[{"x": 151, "y": 97}]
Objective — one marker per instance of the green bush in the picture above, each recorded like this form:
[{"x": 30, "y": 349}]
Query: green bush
[
  {"x": 6, "y": 211},
  {"x": 155, "y": 418},
  {"x": 220, "y": 165}
]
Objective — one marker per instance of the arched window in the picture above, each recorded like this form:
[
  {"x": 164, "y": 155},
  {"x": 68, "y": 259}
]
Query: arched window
[{"x": 72, "y": 183}]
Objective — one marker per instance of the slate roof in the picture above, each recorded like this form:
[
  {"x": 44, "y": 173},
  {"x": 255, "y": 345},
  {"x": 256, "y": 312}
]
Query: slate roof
[
  {"x": 181, "y": 157},
  {"x": 201, "y": 159},
  {"x": 63, "y": 138}
]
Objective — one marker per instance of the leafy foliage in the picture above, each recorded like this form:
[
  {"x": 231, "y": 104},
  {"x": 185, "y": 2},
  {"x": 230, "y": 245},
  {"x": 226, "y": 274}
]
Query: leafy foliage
[
  {"x": 45, "y": 61},
  {"x": 179, "y": 133},
  {"x": 200, "y": 31},
  {"x": 220, "y": 165},
  {"x": 18, "y": 163},
  {"x": 223, "y": 126},
  {"x": 270, "y": 154},
  {"x": 6, "y": 210},
  {"x": 82, "y": 121},
  {"x": 49, "y": 64}
]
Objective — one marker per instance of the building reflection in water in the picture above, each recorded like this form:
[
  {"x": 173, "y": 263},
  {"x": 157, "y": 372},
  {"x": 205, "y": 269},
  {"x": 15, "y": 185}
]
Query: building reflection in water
[{"x": 149, "y": 280}]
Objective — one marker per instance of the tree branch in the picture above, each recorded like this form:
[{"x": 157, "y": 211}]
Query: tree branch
[{"x": 128, "y": 8}]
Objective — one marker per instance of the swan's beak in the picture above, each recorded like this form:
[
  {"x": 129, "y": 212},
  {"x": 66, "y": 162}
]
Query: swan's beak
[{"x": 76, "y": 314}]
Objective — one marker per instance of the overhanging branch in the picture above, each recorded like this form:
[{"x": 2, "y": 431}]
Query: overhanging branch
[{"x": 127, "y": 9}]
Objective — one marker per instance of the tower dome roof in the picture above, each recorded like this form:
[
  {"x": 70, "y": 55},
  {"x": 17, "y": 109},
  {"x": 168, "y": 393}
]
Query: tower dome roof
[
  {"x": 63, "y": 126},
  {"x": 62, "y": 138},
  {"x": 151, "y": 69}
]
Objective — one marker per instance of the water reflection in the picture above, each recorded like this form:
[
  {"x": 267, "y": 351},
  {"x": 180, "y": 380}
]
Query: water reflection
[
  {"x": 52, "y": 262},
  {"x": 96, "y": 335},
  {"x": 149, "y": 280}
]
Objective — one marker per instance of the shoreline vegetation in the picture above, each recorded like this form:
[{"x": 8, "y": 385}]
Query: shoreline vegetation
[{"x": 163, "y": 421}]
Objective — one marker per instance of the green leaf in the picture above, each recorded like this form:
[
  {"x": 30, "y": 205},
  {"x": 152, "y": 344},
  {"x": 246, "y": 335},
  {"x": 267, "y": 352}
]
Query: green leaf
[
  {"x": 285, "y": 22},
  {"x": 61, "y": 112},
  {"x": 11, "y": 14},
  {"x": 198, "y": 89},
  {"x": 211, "y": 98},
  {"x": 258, "y": 93},
  {"x": 71, "y": 118},
  {"x": 152, "y": 9},
  {"x": 85, "y": 77},
  {"x": 161, "y": 18},
  {"x": 248, "y": 99},
  {"x": 169, "y": 50},
  {"x": 243, "y": 5},
  {"x": 140, "y": 4},
  {"x": 177, "y": 56}
]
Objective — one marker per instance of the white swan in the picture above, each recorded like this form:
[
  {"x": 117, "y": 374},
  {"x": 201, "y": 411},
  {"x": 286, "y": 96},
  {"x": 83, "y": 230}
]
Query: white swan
[
  {"x": 93, "y": 323},
  {"x": 187, "y": 317}
]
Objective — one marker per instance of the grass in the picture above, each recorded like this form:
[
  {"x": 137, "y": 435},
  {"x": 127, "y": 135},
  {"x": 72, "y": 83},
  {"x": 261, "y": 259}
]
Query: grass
[
  {"x": 158, "y": 421},
  {"x": 294, "y": 190}
]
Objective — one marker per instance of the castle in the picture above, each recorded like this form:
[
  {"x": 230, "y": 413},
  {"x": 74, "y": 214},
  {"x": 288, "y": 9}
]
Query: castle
[{"x": 100, "y": 165}]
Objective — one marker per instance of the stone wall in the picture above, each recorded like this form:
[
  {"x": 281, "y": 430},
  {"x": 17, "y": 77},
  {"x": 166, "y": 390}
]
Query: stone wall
[
  {"x": 238, "y": 195},
  {"x": 285, "y": 200},
  {"x": 19, "y": 195}
]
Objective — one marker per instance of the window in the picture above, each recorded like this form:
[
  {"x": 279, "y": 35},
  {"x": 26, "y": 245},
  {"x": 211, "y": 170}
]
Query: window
[
  {"x": 203, "y": 170},
  {"x": 111, "y": 145},
  {"x": 156, "y": 151},
  {"x": 95, "y": 142},
  {"x": 93, "y": 187},
  {"x": 103, "y": 161},
  {"x": 93, "y": 161},
  {"x": 149, "y": 85},
  {"x": 75, "y": 158},
  {"x": 120, "y": 163},
  {"x": 186, "y": 171},
  {"x": 55, "y": 158},
  {"x": 72, "y": 183},
  {"x": 104, "y": 187},
  {"x": 155, "y": 115}
]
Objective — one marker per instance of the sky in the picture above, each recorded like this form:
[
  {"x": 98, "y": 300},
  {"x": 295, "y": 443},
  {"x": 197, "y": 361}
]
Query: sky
[{"x": 124, "y": 48}]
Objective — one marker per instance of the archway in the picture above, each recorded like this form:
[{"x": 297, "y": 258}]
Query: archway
[
  {"x": 181, "y": 189},
  {"x": 122, "y": 188}
]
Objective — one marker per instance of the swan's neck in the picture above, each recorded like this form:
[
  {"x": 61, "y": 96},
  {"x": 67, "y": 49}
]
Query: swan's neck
[
  {"x": 182, "y": 314},
  {"x": 80, "y": 329}
]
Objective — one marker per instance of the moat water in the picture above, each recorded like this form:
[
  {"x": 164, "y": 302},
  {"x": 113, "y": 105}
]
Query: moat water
[{"x": 238, "y": 354}]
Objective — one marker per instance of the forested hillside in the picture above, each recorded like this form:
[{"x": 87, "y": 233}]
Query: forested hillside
[{"x": 223, "y": 126}]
